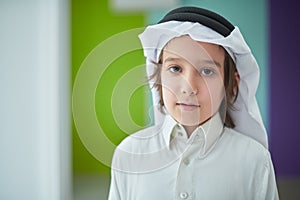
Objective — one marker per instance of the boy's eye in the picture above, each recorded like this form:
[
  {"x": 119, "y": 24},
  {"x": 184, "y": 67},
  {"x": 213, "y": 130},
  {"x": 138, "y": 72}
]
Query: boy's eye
[
  {"x": 207, "y": 72},
  {"x": 175, "y": 69}
]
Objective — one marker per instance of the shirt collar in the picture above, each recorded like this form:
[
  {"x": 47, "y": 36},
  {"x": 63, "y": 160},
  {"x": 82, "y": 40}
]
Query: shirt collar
[
  {"x": 208, "y": 132},
  {"x": 167, "y": 129}
]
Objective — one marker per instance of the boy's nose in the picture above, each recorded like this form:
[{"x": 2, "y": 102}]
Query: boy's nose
[
  {"x": 191, "y": 92},
  {"x": 190, "y": 85}
]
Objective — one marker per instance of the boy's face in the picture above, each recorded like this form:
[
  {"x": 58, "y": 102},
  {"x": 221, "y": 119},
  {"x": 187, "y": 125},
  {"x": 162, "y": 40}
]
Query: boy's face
[{"x": 192, "y": 80}]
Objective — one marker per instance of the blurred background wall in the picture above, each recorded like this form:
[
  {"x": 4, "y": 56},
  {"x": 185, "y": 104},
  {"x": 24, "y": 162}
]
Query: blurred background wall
[
  {"x": 35, "y": 114},
  {"x": 285, "y": 88},
  {"x": 92, "y": 23}
]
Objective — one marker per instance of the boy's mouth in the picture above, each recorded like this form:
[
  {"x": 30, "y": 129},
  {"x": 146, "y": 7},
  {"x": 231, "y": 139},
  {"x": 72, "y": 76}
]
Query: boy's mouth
[{"x": 188, "y": 106}]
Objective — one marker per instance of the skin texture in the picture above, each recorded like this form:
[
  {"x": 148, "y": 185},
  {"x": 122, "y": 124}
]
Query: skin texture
[{"x": 192, "y": 77}]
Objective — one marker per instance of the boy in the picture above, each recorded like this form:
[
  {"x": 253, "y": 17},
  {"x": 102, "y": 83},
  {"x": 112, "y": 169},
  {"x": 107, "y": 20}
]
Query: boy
[{"x": 212, "y": 143}]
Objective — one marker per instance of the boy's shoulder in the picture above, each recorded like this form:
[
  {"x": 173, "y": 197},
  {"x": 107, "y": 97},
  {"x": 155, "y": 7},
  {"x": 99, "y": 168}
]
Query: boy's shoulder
[
  {"x": 245, "y": 145},
  {"x": 143, "y": 140},
  {"x": 243, "y": 138},
  {"x": 142, "y": 151}
]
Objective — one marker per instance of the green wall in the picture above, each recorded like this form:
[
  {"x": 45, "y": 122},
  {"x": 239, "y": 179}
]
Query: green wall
[{"x": 92, "y": 23}]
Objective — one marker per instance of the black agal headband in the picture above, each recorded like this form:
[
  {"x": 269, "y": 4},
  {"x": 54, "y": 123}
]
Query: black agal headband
[{"x": 202, "y": 16}]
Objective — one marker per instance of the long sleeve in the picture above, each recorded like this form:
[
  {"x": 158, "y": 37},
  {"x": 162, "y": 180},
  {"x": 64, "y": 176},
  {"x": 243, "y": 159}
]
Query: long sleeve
[
  {"x": 268, "y": 182},
  {"x": 114, "y": 193}
]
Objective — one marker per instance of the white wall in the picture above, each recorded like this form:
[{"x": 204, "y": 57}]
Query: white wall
[{"x": 35, "y": 128}]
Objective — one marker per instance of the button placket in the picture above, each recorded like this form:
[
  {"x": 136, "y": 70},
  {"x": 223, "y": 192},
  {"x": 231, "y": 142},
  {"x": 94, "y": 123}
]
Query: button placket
[{"x": 184, "y": 177}]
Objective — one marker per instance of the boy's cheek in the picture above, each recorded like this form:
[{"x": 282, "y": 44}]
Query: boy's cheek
[
  {"x": 215, "y": 88},
  {"x": 171, "y": 85},
  {"x": 169, "y": 94}
]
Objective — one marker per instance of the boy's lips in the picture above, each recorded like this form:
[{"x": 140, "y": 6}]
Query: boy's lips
[{"x": 187, "y": 106}]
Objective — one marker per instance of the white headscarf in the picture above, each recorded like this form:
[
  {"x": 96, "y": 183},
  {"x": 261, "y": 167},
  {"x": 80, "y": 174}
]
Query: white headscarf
[{"x": 247, "y": 117}]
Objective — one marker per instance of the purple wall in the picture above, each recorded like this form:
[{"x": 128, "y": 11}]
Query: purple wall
[{"x": 285, "y": 86}]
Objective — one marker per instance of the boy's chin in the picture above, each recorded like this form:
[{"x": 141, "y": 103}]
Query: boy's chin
[{"x": 189, "y": 121}]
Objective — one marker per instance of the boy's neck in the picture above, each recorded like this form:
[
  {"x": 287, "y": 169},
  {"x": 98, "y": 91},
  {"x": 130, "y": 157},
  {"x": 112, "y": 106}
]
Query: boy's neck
[{"x": 190, "y": 129}]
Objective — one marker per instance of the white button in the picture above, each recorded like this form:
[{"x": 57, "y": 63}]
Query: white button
[
  {"x": 196, "y": 138},
  {"x": 183, "y": 195},
  {"x": 186, "y": 161},
  {"x": 180, "y": 134}
]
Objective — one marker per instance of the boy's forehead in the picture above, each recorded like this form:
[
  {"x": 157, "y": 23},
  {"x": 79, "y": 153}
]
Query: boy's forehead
[{"x": 194, "y": 51}]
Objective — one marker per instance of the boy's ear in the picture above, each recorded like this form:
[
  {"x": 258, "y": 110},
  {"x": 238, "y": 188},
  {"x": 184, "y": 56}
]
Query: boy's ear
[{"x": 238, "y": 79}]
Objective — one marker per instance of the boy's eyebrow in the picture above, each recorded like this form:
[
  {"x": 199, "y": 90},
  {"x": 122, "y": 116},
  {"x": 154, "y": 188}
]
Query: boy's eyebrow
[
  {"x": 213, "y": 62},
  {"x": 170, "y": 59}
]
